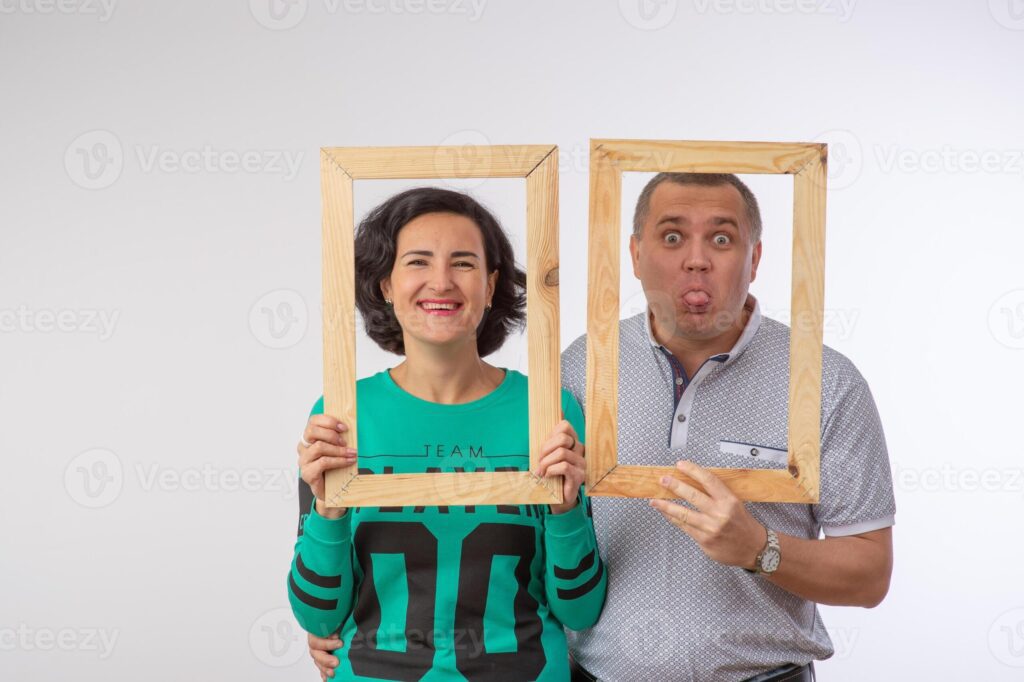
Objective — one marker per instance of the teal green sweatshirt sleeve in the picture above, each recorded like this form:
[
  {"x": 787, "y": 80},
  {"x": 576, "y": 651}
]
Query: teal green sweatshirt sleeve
[
  {"x": 575, "y": 577},
  {"x": 320, "y": 583}
]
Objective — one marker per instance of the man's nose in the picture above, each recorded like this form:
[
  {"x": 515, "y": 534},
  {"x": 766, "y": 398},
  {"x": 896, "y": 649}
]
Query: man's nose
[{"x": 695, "y": 258}]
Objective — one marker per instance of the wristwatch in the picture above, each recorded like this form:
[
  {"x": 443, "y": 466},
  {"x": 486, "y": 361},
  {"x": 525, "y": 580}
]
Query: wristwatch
[{"x": 768, "y": 560}]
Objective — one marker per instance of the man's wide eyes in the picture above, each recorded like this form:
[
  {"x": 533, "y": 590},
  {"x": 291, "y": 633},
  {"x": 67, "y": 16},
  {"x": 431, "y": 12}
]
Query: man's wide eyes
[
  {"x": 672, "y": 238},
  {"x": 722, "y": 240}
]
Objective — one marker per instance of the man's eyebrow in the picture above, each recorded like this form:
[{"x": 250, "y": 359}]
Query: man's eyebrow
[
  {"x": 675, "y": 219},
  {"x": 725, "y": 221}
]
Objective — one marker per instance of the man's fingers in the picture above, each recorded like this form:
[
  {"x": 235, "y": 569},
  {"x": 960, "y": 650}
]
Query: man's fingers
[
  {"x": 711, "y": 483},
  {"x": 685, "y": 491},
  {"x": 323, "y": 643},
  {"x": 324, "y": 660},
  {"x": 689, "y": 520}
]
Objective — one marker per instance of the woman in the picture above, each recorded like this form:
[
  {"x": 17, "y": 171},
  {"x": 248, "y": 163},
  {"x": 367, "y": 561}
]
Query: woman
[{"x": 444, "y": 593}]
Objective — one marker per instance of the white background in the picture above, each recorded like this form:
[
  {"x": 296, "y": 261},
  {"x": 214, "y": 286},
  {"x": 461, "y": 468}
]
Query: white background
[{"x": 159, "y": 303}]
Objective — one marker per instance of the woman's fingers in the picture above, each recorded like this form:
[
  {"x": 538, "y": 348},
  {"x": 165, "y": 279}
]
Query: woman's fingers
[
  {"x": 328, "y": 422},
  {"x": 315, "y": 433},
  {"x": 321, "y": 449},
  {"x": 561, "y": 455}
]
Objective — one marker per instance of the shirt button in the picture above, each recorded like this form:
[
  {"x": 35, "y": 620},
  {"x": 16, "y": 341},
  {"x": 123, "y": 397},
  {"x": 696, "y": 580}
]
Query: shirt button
[
  {"x": 679, "y": 381},
  {"x": 754, "y": 452},
  {"x": 681, "y": 418}
]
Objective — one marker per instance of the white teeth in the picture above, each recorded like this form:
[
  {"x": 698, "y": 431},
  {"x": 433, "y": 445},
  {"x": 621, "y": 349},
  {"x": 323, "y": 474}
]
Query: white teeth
[{"x": 438, "y": 306}]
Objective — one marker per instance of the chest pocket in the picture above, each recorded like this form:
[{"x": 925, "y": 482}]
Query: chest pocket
[{"x": 757, "y": 455}]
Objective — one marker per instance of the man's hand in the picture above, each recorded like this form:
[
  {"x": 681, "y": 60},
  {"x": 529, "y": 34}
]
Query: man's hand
[
  {"x": 320, "y": 649},
  {"x": 718, "y": 521}
]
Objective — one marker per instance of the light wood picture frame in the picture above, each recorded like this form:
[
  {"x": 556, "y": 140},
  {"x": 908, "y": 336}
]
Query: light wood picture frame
[
  {"x": 806, "y": 162},
  {"x": 538, "y": 164}
]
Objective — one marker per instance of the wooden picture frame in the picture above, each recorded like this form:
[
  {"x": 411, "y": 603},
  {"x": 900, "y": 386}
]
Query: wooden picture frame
[
  {"x": 538, "y": 164},
  {"x": 806, "y": 162}
]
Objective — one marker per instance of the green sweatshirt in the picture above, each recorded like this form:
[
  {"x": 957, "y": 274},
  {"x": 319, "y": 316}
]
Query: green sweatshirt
[{"x": 448, "y": 593}]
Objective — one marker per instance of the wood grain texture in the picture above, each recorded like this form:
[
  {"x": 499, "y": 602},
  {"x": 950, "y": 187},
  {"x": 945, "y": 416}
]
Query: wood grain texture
[
  {"x": 339, "y": 310},
  {"x": 467, "y": 161},
  {"x": 708, "y": 157},
  {"x": 806, "y": 324},
  {"x": 542, "y": 314},
  {"x": 539, "y": 165},
  {"x": 603, "y": 317},
  {"x": 807, "y": 163},
  {"x": 506, "y": 487},
  {"x": 759, "y": 485}
]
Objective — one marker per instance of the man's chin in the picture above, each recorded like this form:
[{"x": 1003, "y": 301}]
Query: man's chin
[{"x": 703, "y": 326}]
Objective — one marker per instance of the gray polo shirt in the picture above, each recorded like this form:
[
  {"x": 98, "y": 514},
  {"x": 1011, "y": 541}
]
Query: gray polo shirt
[{"x": 671, "y": 612}]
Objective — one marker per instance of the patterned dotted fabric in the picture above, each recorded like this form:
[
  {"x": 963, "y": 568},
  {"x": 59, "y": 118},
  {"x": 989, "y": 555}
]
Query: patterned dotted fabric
[{"x": 671, "y": 612}]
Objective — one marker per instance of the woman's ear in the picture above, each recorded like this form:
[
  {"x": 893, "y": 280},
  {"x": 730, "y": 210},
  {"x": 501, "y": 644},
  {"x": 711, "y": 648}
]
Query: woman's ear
[
  {"x": 492, "y": 283},
  {"x": 385, "y": 288}
]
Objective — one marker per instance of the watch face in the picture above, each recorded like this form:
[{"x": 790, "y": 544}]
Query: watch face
[{"x": 770, "y": 561}]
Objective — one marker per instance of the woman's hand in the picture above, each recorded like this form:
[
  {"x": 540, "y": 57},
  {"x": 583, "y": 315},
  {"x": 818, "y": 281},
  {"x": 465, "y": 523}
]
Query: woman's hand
[
  {"x": 562, "y": 455},
  {"x": 322, "y": 448}
]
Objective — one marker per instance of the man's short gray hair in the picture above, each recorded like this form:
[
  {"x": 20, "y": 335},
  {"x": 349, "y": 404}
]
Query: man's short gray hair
[{"x": 643, "y": 203}]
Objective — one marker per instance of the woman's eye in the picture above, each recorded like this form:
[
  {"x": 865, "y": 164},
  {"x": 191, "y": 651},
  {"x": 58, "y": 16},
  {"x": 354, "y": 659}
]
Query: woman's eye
[
  {"x": 463, "y": 264},
  {"x": 722, "y": 240},
  {"x": 673, "y": 238},
  {"x": 418, "y": 261}
]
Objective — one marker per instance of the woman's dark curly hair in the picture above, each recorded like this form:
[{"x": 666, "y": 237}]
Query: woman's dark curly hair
[{"x": 376, "y": 244}]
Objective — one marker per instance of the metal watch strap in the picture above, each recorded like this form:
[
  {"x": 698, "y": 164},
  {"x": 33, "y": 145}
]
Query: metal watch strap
[{"x": 772, "y": 543}]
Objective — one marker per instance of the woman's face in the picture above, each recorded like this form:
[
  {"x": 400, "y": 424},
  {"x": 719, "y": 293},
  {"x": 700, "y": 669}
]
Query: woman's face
[{"x": 439, "y": 284}]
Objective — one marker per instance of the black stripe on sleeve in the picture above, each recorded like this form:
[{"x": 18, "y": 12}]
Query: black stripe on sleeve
[
  {"x": 570, "y": 573},
  {"x": 310, "y": 600},
  {"x": 585, "y": 588},
  {"x": 315, "y": 578}
]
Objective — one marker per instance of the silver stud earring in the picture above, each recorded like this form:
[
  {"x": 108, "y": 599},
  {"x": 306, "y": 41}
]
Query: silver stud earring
[{"x": 388, "y": 301}]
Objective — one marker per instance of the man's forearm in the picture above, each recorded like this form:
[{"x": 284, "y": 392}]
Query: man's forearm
[{"x": 841, "y": 571}]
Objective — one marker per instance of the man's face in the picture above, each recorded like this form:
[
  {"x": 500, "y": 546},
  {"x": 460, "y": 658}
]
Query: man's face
[{"x": 695, "y": 260}]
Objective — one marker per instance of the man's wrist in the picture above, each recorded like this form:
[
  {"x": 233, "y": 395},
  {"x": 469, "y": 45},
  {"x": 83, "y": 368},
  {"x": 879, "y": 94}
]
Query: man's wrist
[{"x": 751, "y": 565}]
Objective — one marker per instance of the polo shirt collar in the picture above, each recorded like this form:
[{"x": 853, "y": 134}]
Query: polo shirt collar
[{"x": 753, "y": 324}]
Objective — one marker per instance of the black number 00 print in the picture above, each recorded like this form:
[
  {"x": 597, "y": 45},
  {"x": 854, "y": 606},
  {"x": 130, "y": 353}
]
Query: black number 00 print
[{"x": 418, "y": 546}]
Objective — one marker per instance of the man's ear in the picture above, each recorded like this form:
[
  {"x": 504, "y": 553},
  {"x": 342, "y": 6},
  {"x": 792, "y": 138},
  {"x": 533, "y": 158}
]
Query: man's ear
[
  {"x": 634, "y": 253},
  {"x": 754, "y": 261}
]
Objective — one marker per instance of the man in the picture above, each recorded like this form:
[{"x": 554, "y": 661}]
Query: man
[{"x": 715, "y": 589}]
